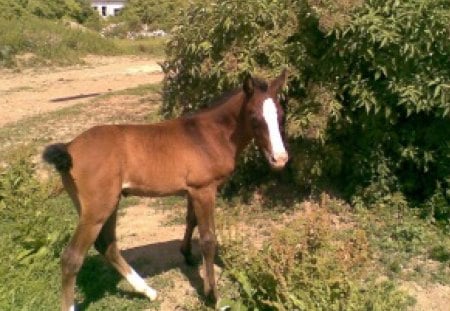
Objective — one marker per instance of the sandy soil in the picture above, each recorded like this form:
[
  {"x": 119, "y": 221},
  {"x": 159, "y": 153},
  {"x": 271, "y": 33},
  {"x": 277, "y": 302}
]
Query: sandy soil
[
  {"x": 34, "y": 91},
  {"x": 433, "y": 297},
  {"x": 150, "y": 243}
]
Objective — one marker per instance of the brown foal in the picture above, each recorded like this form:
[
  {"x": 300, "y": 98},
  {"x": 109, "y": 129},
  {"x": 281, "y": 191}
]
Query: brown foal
[{"x": 191, "y": 156}]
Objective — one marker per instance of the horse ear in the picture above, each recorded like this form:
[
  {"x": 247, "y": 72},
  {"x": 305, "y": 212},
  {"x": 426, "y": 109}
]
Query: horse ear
[
  {"x": 277, "y": 84},
  {"x": 248, "y": 85}
]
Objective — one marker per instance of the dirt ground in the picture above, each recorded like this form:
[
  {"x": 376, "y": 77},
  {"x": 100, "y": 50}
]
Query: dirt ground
[
  {"x": 433, "y": 297},
  {"x": 148, "y": 236},
  {"x": 151, "y": 245},
  {"x": 34, "y": 91}
]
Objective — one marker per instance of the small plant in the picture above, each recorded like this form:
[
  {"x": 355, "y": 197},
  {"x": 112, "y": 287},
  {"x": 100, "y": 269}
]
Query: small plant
[{"x": 440, "y": 252}]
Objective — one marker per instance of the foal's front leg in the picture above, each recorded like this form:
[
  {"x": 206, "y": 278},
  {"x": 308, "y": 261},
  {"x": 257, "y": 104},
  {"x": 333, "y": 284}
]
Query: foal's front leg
[
  {"x": 186, "y": 245},
  {"x": 203, "y": 201}
]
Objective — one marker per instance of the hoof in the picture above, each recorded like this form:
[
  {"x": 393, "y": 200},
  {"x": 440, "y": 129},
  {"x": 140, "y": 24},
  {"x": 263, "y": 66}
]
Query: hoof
[
  {"x": 189, "y": 259},
  {"x": 151, "y": 294},
  {"x": 211, "y": 298}
]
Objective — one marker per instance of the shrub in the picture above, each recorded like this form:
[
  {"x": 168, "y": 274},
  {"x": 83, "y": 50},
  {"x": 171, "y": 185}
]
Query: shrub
[
  {"x": 215, "y": 45},
  {"x": 368, "y": 95},
  {"x": 309, "y": 265},
  {"x": 391, "y": 67}
]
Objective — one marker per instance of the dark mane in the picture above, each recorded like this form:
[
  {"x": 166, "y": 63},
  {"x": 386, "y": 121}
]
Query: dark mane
[
  {"x": 258, "y": 83},
  {"x": 224, "y": 98},
  {"x": 215, "y": 103}
]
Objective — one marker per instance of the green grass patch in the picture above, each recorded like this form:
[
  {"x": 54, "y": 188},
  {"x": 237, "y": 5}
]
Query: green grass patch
[
  {"x": 149, "y": 46},
  {"x": 50, "y": 42},
  {"x": 32, "y": 41},
  {"x": 406, "y": 246}
]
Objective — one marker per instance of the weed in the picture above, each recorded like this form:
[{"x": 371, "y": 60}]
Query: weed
[{"x": 307, "y": 266}]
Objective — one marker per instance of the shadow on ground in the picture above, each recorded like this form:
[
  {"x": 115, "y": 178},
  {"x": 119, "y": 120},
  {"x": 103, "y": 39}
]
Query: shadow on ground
[{"x": 97, "y": 278}]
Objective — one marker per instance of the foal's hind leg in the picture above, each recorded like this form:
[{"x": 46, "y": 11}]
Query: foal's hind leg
[
  {"x": 191, "y": 222},
  {"x": 93, "y": 212},
  {"x": 106, "y": 244},
  {"x": 72, "y": 258}
]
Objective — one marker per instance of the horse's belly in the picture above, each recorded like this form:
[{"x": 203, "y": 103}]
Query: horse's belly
[{"x": 154, "y": 181}]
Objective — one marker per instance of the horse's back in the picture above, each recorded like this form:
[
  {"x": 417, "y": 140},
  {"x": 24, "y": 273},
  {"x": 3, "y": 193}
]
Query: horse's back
[{"x": 149, "y": 159}]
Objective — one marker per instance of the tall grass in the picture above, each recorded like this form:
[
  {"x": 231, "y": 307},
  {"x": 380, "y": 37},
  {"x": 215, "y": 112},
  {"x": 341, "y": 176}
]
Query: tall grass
[
  {"x": 52, "y": 43},
  {"x": 35, "y": 226}
]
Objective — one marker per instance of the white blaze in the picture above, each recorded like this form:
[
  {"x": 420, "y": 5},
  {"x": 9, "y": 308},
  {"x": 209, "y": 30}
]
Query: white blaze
[
  {"x": 271, "y": 118},
  {"x": 140, "y": 286},
  {"x": 72, "y": 308}
]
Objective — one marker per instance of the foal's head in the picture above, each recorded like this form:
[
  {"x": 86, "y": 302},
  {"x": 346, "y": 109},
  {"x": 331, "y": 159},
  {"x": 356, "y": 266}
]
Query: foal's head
[{"x": 264, "y": 116}]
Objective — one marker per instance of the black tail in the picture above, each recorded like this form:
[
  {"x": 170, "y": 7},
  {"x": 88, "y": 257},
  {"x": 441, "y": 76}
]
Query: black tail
[{"x": 58, "y": 155}]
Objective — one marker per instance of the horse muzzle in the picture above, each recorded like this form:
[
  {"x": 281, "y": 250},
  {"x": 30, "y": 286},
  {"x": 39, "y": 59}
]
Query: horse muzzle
[{"x": 278, "y": 161}]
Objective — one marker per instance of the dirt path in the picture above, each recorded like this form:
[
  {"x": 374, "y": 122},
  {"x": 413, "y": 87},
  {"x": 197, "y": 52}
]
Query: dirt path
[
  {"x": 35, "y": 91},
  {"x": 150, "y": 242}
]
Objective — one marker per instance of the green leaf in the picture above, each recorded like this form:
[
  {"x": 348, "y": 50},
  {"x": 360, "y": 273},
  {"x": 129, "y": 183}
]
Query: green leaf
[
  {"x": 205, "y": 45},
  {"x": 437, "y": 91},
  {"x": 377, "y": 75}
]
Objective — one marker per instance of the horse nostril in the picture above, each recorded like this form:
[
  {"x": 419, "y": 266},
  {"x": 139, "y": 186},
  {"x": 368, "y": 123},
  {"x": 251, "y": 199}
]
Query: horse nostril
[
  {"x": 284, "y": 157},
  {"x": 280, "y": 158}
]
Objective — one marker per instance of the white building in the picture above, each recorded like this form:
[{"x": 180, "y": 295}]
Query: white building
[{"x": 108, "y": 7}]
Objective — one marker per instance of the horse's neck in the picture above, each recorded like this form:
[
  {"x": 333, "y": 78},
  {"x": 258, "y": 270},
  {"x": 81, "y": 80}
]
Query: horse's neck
[{"x": 230, "y": 117}]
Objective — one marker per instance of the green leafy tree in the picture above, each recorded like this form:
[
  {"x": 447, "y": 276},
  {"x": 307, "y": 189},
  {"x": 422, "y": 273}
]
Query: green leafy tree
[
  {"x": 368, "y": 95},
  {"x": 391, "y": 66}
]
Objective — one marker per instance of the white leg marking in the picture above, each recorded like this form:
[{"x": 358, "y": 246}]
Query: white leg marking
[
  {"x": 271, "y": 118},
  {"x": 140, "y": 286},
  {"x": 72, "y": 308}
]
